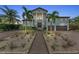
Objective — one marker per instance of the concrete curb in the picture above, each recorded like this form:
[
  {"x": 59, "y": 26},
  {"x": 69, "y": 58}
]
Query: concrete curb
[{"x": 46, "y": 44}]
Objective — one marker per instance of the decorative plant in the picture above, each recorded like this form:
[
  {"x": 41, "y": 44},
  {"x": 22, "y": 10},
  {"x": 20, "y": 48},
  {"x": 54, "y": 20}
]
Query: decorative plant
[
  {"x": 12, "y": 46},
  {"x": 54, "y": 46},
  {"x": 23, "y": 45}
]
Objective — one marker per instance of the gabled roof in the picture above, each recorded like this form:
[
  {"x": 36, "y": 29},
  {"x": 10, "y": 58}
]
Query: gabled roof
[{"x": 39, "y": 8}]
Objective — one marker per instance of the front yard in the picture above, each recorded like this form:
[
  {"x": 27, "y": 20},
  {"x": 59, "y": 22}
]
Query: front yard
[
  {"x": 62, "y": 41},
  {"x": 16, "y": 41}
]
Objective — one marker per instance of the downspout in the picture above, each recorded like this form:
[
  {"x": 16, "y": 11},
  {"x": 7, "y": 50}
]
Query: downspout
[
  {"x": 50, "y": 24},
  {"x": 67, "y": 24},
  {"x": 55, "y": 25}
]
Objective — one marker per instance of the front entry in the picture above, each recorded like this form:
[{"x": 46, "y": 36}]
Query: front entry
[{"x": 39, "y": 26}]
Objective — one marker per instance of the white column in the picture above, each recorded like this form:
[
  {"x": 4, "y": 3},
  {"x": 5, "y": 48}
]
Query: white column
[
  {"x": 55, "y": 25},
  {"x": 47, "y": 24},
  {"x": 67, "y": 24},
  {"x": 36, "y": 16},
  {"x": 36, "y": 20},
  {"x": 42, "y": 16},
  {"x": 42, "y": 21}
]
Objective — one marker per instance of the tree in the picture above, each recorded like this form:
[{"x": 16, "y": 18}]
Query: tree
[
  {"x": 52, "y": 18},
  {"x": 0, "y": 20},
  {"x": 9, "y": 14},
  {"x": 74, "y": 23},
  {"x": 77, "y": 19},
  {"x": 27, "y": 15}
]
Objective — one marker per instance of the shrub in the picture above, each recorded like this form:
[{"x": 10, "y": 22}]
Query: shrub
[
  {"x": 70, "y": 43},
  {"x": 8, "y": 27},
  {"x": 22, "y": 27},
  {"x": 74, "y": 26},
  {"x": 44, "y": 28},
  {"x": 12, "y": 46},
  {"x": 54, "y": 46},
  {"x": 23, "y": 45},
  {"x": 34, "y": 28}
]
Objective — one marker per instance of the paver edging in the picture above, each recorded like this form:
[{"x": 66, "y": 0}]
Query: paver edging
[
  {"x": 48, "y": 48},
  {"x": 31, "y": 43}
]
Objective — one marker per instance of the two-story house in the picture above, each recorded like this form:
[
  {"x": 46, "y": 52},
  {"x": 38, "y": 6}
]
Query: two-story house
[{"x": 40, "y": 21}]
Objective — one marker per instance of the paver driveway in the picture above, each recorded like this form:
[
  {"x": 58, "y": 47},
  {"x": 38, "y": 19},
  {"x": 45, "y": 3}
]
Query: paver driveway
[{"x": 39, "y": 45}]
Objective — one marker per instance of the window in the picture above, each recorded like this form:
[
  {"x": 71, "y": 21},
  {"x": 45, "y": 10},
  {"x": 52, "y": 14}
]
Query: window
[{"x": 39, "y": 16}]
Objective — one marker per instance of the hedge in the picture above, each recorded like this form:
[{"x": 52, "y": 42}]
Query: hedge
[{"x": 8, "y": 27}]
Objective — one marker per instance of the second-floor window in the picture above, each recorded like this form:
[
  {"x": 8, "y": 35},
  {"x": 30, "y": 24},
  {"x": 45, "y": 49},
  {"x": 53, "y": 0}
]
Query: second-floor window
[{"x": 39, "y": 16}]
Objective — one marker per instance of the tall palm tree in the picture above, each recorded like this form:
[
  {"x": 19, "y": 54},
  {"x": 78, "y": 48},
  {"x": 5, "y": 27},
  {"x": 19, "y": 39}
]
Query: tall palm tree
[
  {"x": 52, "y": 18},
  {"x": 27, "y": 15},
  {"x": 9, "y": 14},
  {"x": 0, "y": 20}
]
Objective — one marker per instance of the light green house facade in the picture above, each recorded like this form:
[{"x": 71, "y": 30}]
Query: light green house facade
[{"x": 40, "y": 21}]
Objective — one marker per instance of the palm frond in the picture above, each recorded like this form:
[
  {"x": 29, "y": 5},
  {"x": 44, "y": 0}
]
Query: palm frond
[
  {"x": 6, "y": 8},
  {"x": 24, "y": 8},
  {"x": 5, "y": 11}
]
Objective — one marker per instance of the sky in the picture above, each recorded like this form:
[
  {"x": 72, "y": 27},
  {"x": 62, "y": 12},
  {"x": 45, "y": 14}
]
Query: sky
[{"x": 64, "y": 10}]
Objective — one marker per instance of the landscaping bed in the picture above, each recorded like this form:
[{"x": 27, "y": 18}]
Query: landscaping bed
[
  {"x": 17, "y": 42},
  {"x": 60, "y": 42}
]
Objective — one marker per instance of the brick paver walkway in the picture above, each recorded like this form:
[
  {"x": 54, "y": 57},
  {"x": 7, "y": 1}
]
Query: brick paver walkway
[{"x": 39, "y": 45}]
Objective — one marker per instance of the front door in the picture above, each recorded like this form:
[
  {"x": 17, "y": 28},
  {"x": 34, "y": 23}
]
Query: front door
[{"x": 39, "y": 26}]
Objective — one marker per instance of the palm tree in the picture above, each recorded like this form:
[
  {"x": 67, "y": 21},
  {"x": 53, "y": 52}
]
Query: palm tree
[
  {"x": 9, "y": 14},
  {"x": 77, "y": 19},
  {"x": 52, "y": 17},
  {"x": 27, "y": 15},
  {"x": 0, "y": 20}
]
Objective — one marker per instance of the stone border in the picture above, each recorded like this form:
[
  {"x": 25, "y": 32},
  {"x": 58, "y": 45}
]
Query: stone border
[
  {"x": 49, "y": 50},
  {"x": 46, "y": 45},
  {"x": 31, "y": 43}
]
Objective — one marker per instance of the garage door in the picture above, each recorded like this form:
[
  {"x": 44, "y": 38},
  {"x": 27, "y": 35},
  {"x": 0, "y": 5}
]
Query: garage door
[{"x": 61, "y": 28}]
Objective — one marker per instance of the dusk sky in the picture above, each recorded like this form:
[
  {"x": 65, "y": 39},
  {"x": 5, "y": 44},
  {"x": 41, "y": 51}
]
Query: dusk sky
[{"x": 64, "y": 10}]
